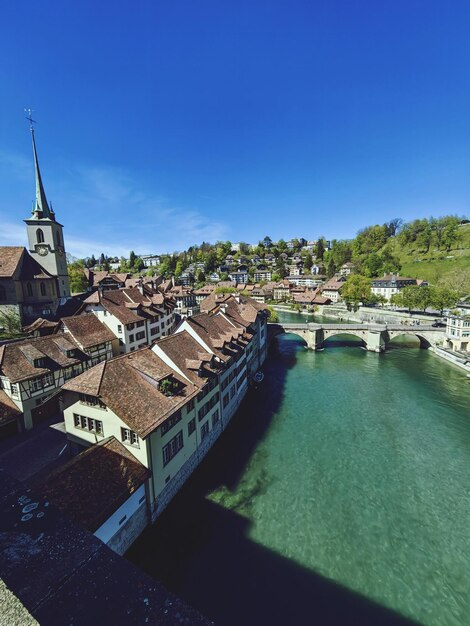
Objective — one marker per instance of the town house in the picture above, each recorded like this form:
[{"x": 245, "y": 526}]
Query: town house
[
  {"x": 33, "y": 370},
  {"x": 458, "y": 333},
  {"x": 136, "y": 316},
  {"x": 390, "y": 284},
  {"x": 169, "y": 403}
]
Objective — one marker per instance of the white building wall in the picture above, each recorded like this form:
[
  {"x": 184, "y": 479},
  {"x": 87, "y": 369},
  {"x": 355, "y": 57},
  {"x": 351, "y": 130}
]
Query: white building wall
[
  {"x": 112, "y": 425},
  {"x": 111, "y": 526}
]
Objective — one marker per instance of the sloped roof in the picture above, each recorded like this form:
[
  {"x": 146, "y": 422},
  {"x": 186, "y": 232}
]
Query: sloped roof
[
  {"x": 95, "y": 483},
  {"x": 10, "y": 257},
  {"x": 128, "y": 384},
  {"x": 8, "y": 409},
  {"x": 87, "y": 330},
  {"x": 15, "y": 259},
  {"x": 182, "y": 348},
  {"x": 16, "y": 363}
]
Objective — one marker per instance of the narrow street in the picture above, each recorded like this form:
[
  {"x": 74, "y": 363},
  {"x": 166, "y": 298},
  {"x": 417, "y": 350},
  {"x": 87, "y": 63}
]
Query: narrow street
[{"x": 30, "y": 456}]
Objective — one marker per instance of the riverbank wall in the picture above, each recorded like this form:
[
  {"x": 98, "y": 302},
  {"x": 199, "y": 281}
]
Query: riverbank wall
[{"x": 456, "y": 359}]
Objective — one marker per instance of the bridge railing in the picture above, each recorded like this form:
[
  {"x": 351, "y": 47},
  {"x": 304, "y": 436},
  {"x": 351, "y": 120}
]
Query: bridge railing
[{"x": 358, "y": 326}]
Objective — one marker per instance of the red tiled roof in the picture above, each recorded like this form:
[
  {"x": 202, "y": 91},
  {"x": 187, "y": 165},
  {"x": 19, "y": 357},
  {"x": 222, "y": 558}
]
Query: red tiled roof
[
  {"x": 128, "y": 385},
  {"x": 87, "y": 330},
  {"x": 95, "y": 483},
  {"x": 8, "y": 409}
]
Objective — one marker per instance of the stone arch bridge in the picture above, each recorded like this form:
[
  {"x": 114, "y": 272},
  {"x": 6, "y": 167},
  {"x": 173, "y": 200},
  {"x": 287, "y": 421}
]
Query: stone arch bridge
[{"x": 375, "y": 337}]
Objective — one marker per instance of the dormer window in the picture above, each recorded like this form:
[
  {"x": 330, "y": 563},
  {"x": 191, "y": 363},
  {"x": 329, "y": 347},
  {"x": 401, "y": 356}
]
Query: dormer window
[
  {"x": 39, "y": 362},
  {"x": 91, "y": 401}
]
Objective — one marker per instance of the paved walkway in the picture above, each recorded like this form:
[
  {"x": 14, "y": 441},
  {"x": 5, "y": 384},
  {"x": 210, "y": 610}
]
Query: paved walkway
[{"x": 31, "y": 455}]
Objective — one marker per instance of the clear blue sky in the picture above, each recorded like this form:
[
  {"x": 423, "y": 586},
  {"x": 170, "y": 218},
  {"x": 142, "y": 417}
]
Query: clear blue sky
[{"x": 163, "y": 123}]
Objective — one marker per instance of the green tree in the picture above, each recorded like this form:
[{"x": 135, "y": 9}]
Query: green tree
[
  {"x": 355, "y": 290},
  {"x": 443, "y": 298},
  {"x": 200, "y": 277},
  {"x": 273, "y": 316},
  {"x": 411, "y": 298},
  {"x": 320, "y": 248},
  {"x": 424, "y": 238},
  {"x": 77, "y": 279},
  {"x": 178, "y": 269},
  {"x": 308, "y": 262},
  {"x": 10, "y": 325}
]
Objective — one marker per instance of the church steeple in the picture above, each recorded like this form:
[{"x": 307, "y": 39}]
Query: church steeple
[
  {"x": 45, "y": 236},
  {"x": 41, "y": 207}
]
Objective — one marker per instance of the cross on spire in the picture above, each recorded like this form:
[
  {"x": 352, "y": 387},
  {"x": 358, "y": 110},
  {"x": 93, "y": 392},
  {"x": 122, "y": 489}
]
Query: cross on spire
[{"x": 30, "y": 119}]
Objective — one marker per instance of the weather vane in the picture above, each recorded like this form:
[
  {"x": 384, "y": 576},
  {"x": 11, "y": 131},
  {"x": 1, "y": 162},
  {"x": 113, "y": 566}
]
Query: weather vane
[{"x": 30, "y": 119}]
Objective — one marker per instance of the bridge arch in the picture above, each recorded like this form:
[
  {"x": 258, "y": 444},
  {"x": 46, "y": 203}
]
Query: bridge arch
[
  {"x": 296, "y": 334},
  {"x": 423, "y": 342},
  {"x": 347, "y": 336}
]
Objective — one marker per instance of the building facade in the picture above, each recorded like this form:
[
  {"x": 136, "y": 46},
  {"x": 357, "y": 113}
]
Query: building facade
[
  {"x": 458, "y": 333},
  {"x": 168, "y": 404}
]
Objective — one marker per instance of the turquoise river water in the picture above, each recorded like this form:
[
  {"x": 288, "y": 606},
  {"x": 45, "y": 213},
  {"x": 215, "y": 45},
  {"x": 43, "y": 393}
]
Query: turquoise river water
[{"x": 340, "y": 494}]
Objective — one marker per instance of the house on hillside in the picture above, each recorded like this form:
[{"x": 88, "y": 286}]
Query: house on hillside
[{"x": 391, "y": 284}]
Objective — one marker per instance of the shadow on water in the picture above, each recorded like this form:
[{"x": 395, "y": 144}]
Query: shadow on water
[{"x": 202, "y": 551}]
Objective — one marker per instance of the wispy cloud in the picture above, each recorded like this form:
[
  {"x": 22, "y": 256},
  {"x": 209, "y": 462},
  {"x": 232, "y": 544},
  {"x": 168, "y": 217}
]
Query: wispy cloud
[
  {"x": 11, "y": 234},
  {"x": 107, "y": 210}
]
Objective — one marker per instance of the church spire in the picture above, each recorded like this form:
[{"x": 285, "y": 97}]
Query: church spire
[{"x": 41, "y": 207}]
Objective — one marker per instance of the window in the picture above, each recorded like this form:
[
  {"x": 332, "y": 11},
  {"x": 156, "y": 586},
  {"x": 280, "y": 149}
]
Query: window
[
  {"x": 42, "y": 287},
  {"x": 39, "y": 236},
  {"x": 29, "y": 290},
  {"x": 170, "y": 422},
  {"x": 140, "y": 324},
  {"x": 129, "y": 437},
  {"x": 204, "y": 410},
  {"x": 191, "y": 426},
  {"x": 91, "y": 401},
  {"x": 172, "y": 447},
  {"x": 131, "y": 338},
  {"x": 119, "y": 328},
  {"x": 68, "y": 373},
  {"x": 215, "y": 417},
  {"x": 14, "y": 389},
  {"x": 88, "y": 423},
  {"x": 225, "y": 400},
  {"x": 155, "y": 330},
  {"x": 204, "y": 430},
  {"x": 140, "y": 335},
  {"x": 190, "y": 406},
  {"x": 38, "y": 384},
  {"x": 130, "y": 326}
]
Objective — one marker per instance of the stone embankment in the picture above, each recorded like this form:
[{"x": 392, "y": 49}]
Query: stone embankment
[{"x": 455, "y": 358}]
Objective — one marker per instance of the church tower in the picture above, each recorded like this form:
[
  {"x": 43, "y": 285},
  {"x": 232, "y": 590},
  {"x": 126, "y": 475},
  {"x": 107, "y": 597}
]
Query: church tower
[{"x": 45, "y": 237}]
